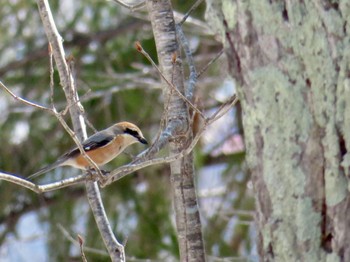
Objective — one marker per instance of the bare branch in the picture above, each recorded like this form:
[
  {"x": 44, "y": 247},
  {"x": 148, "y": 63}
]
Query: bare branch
[
  {"x": 39, "y": 189},
  {"x": 81, "y": 245},
  {"x": 143, "y": 160},
  {"x": 51, "y": 74},
  {"x": 115, "y": 249},
  {"x": 24, "y": 100},
  {"x": 195, "y": 5},
  {"x": 193, "y": 73},
  {"x": 210, "y": 63},
  {"x": 142, "y": 51},
  {"x": 77, "y": 243},
  {"x": 223, "y": 109}
]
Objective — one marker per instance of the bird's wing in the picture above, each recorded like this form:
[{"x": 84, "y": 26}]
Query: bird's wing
[{"x": 95, "y": 141}]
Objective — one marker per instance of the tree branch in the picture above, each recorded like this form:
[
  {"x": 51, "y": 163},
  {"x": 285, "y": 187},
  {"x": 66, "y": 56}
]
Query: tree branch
[
  {"x": 39, "y": 189},
  {"x": 182, "y": 170},
  {"x": 169, "y": 83},
  {"x": 146, "y": 159},
  {"x": 115, "y": 249}
]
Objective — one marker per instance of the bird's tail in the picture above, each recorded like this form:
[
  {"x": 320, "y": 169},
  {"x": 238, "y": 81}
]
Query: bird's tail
[{"x": 46, "y": 169}]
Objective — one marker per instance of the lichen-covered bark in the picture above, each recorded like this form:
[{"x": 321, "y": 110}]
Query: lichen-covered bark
[
  {"x": 290, "y": 60},
  {"x": 177, "y": 114}
]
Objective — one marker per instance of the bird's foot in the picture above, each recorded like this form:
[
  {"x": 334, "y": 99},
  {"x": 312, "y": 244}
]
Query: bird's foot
[{"x": 94, "y": 175}]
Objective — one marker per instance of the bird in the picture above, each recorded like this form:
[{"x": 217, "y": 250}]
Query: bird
[{"x": 101, "y": 147}]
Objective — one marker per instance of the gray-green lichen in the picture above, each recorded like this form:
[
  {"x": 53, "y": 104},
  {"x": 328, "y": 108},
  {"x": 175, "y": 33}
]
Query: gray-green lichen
[
  {"x": 296, "y": 83},
  {"x": 309, "y": 38}
]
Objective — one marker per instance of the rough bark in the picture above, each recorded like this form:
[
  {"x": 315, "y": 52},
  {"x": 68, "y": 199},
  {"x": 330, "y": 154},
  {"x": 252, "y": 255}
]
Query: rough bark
[
  {"x": 290, "y": 60},
  {"x": 182, "y": 171}
]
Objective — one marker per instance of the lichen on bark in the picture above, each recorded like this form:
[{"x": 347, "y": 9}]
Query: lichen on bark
[{"x": 290, "y": 63}]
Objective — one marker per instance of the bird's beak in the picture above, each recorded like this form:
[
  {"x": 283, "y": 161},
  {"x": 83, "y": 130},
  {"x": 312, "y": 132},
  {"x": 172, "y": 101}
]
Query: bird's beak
[{"x": 143, "y": 141}]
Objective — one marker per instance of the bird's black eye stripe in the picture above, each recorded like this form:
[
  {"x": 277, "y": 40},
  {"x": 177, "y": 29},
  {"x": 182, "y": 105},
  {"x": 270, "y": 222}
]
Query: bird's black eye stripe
[{"x": 132, "y": 132}]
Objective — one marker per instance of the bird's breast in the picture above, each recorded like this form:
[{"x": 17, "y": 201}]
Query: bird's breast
[{"x": 103, "y": 154}]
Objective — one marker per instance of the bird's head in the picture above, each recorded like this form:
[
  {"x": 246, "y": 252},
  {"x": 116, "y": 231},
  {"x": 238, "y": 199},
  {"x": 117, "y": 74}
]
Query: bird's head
[{"x": 131, "y": 132}]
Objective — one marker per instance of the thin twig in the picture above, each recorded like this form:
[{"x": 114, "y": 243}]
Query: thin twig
[
  {"x": 77, "y": 142},
  {"x": 173, "y": 61},
  {"x": 75, "y": 103},
  {"x": 224, "y": 108},
  {"x": 143, "y": 52},
  {"x": 51, "y": 74},
  {"x": 24, "y": 100},
  {"x": 77, "y": 243},
  {"x": 210, "y": 63},
  {"x": 90, "y": 124},
  {"x": 193, "y": 73},
  {"x": 81, "y": 245},
  {"x": 162, "y": 133},
  {"x": 195, "y": 5}
]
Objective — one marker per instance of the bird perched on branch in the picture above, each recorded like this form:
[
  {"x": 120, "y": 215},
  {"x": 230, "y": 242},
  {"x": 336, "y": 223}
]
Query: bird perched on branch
[{"x": 101, "y": 147}]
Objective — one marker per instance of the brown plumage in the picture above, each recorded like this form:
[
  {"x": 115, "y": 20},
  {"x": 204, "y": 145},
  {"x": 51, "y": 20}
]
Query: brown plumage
[{"x": 101, "y": 147}]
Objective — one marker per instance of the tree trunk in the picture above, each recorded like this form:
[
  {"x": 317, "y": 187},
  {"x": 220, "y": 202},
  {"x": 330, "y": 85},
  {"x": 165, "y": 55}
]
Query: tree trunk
[
  {"x": 290, "y": 61},
  {"x": 177, "y": 114}
]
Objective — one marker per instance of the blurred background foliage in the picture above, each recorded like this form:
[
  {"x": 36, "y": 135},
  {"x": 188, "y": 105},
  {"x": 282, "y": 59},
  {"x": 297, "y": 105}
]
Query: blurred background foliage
[{"x": 115, "y": 83}]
